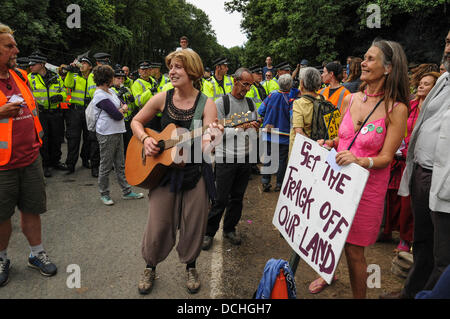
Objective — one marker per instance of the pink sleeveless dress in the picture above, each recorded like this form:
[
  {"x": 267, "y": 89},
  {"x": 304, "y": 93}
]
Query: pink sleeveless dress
[{"x": 369, "y": 215}]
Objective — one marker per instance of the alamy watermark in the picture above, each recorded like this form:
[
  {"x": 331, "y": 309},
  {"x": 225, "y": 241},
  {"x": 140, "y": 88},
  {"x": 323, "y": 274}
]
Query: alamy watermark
[
  {"x": 74, "y": 19},
  {"x": 374, "y": 19}
]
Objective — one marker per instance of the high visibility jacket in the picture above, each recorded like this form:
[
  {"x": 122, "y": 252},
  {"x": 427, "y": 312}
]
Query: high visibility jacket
[
  {"x": 141, "y": 90},
  {"x": 167, "y": 87},
  {"x": 81, "y": 88},
  {"x": 270, "y": 86},
  {"x": 43, "y": 92},
  {"x": 255, "y": 96},
  {"x": 128, "y": 82},
  {"x": 212, "y": 89},
  {"x": 6, "y": 124},
  {"x": 163, "y": 81},
  {"x": 126, "y": 99},
  {"x": 337, "y": 97}
]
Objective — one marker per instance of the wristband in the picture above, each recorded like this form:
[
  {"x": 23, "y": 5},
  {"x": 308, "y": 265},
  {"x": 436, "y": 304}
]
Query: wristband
[
  {"x": 143, "y": 140},
  {"x": 370, "y": 162}
]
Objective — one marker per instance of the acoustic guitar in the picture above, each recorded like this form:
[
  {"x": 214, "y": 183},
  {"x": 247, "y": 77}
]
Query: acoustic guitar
[{"x": 147, "y": 171}]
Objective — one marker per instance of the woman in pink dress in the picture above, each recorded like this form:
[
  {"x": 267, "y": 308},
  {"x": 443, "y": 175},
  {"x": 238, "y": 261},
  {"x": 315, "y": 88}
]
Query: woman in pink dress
[{"x": 369, "y": 137}]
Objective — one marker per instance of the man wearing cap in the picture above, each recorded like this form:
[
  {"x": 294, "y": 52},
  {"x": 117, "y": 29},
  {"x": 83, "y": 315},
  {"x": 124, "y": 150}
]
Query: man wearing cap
[
  {"x": 103, "y": 58},
  {"x": 48, "y": 90},
  {"x": 81, "y": 82},
  {"x": 220, "y": 83},
  {"x": 142, "y": 90},
  {"x": 127, "y": 98},
  {"x": 21, "y": 176},
  {"x": 159, "y": 79},
  {"x": 257, "y": 92}
]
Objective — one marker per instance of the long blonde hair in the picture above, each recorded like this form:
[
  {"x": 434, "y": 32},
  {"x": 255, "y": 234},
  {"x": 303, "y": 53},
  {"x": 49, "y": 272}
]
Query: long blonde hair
[{"x": 192, "y": 64}]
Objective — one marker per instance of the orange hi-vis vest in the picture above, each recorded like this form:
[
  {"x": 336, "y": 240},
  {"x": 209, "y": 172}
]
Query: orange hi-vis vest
[
  {"x": 6, "y": 124},
  {"x": 337, "y": 98}
]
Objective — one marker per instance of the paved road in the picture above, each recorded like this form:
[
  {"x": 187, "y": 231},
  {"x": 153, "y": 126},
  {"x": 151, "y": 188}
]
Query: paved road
[{"x": 103, "y": 241}]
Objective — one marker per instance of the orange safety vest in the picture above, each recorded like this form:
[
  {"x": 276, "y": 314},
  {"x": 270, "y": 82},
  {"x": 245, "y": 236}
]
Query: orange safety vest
[
  {"x": 337, "y": 98},
  {"x": 6, "y": 124}
]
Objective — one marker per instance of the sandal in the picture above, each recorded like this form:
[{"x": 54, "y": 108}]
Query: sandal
[{"x": 319, "y": 284}]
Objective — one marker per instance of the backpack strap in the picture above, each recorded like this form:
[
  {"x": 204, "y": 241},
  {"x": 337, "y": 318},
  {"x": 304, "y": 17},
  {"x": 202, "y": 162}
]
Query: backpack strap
[
  {"x": 199, "y": 110},
  {"x": 226, "y": 104}
]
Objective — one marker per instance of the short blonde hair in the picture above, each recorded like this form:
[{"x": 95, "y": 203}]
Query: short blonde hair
[
  {"x": 192, "y": 64},
  {"x": 5, "y": 29}
]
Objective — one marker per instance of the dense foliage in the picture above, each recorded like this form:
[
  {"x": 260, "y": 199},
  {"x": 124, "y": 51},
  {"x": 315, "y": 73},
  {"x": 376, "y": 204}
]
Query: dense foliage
[
  {"x": 130, "y": 30},
  {"x": 324, "y": 30}
]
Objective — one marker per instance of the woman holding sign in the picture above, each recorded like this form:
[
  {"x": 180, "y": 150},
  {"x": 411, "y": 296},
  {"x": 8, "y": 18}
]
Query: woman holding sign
[{"x": 372, "y": 128}]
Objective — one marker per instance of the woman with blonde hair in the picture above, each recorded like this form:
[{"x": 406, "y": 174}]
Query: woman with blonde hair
[
  {"x": 372, "y": 128},
  {"x": 180, "y": 201}
]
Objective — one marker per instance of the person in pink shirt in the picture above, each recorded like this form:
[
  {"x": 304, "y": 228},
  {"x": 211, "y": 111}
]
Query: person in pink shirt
[{"x": 372, "y": 128}]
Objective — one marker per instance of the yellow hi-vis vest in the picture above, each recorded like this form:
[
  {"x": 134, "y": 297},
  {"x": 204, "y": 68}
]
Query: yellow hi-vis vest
[{"x": 42, "y": 93}]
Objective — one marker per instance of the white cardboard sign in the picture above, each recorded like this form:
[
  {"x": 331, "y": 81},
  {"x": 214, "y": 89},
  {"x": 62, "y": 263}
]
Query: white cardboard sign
[{"x": 317, "y": 204}]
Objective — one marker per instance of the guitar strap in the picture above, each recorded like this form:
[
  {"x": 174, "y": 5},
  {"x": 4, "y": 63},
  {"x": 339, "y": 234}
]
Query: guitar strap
[{"x": 199, "y": 111}]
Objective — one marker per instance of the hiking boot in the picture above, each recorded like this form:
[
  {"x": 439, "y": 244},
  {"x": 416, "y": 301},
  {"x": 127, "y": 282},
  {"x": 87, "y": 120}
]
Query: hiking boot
[
  {"x": 133, "y": 195},
  {"x": 146, "y": 282},
  {"x": 5, "y": 266},
  {"x": 207, "y": 242},
  {"x": 107, "y": 200},
  {"x": 277, "y": 188},
  {"x": 266, "y": 187},
  {"x": 233, "y": 238},
  {"x": 60, "y": 166},
  {"x": 193, "y": 282},
  {"x": 42, "y": 263}
]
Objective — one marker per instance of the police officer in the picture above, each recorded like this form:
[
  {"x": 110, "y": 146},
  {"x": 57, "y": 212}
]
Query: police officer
[
  {"x": 126, "y": 97},
  {"x": 128, "y": 81},
  {"x": 257, "y": 92},
  {"x": 159, "y": 79},
  {"x": 103, "y": 58},
  {"x": 48, "y": 91},
  {"x": 81, "y": 82},
  {"x": 220, "y": 83},
  {"x": 143, "y": 89}
]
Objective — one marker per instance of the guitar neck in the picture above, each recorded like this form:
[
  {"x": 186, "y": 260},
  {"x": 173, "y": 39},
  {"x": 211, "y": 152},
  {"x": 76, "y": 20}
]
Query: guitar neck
[{"x": 188, "y": 135}]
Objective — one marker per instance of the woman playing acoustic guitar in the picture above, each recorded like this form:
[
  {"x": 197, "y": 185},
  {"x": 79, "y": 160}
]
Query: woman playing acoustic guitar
[{"x": 180, "y": 201}]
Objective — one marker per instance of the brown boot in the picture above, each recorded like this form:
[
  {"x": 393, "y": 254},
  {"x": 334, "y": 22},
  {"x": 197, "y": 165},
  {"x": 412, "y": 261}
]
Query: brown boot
[
  {"x": 146, "y": 282},
  {"x": 193, "y": 282}
]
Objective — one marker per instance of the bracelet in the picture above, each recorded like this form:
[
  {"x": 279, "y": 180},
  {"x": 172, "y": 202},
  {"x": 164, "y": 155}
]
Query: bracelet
[
  {"x": 143, "y": 140},
  {"x": 370, "y": 162}
]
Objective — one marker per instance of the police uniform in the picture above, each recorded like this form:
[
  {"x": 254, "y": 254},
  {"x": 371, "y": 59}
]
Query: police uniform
[
  {"x": 214, "y": 88},
  {"x": 103, "y": 58},
  {"x": 126, "y": 97},
  {"x": 82, "y": 91},
  {"x": 142, "y": 92},
  {"x": 48, "y": 91},
  {"x": 257, "y": 92}
]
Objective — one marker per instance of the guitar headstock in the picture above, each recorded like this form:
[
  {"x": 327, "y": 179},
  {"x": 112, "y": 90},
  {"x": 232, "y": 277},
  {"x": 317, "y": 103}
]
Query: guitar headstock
[{"x": 240, "y": 119}]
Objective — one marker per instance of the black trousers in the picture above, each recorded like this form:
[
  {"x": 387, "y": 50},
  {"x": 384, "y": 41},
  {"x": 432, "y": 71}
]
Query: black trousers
[
  {"x": 53, "y": 124},
  {"x": 75, "y": 129},
  {"x": 231, "y": 183},
  {"x": 431, "y": 241},
  {"x": 127, "y": 136}
]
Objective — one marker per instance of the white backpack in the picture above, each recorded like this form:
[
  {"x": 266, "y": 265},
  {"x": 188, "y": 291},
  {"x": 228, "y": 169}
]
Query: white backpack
[{"x": 91, "y": 119}]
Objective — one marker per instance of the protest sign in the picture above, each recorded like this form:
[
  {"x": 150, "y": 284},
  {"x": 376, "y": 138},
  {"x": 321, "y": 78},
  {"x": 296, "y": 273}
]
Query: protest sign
[{"x": 317, "y": 204}]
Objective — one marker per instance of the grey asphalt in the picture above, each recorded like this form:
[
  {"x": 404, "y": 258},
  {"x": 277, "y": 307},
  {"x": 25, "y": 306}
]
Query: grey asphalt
[{"x": 104, "y": 241}]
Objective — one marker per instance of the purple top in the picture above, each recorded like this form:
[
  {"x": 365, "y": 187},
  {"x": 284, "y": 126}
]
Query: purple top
[{"x": 110, "y": 108}]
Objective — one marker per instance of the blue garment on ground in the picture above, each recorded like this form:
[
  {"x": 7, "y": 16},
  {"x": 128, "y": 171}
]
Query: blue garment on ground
[
  {"x": 271, "y": 271},
  {"x": 440, "y": 291},
  {"x": 276, "y": 110}
]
